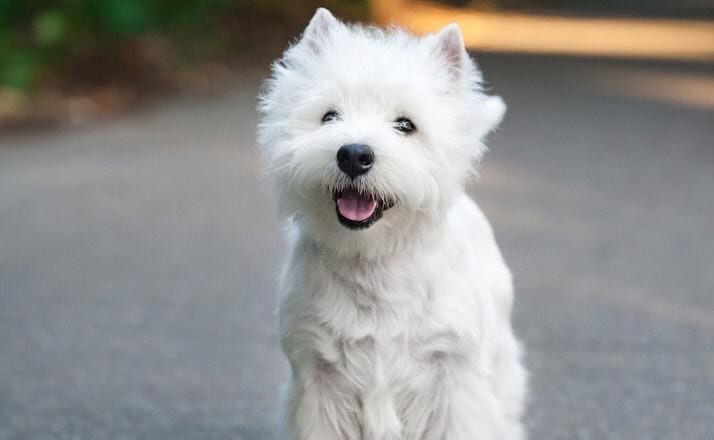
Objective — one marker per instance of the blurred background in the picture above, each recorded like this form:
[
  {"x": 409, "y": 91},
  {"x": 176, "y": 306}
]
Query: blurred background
[{"x": 139, "y": 246}]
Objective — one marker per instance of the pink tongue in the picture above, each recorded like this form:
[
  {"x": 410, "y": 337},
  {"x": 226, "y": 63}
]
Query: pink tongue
[{"x": 355, "y": 207}]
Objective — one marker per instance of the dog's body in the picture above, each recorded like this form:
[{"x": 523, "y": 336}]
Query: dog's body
[{"x": 396, "y": 302}]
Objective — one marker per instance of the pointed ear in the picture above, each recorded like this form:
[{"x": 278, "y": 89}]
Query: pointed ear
[
  {"x": 450, "y": 47},
  {"x": 319, "y": 28}
]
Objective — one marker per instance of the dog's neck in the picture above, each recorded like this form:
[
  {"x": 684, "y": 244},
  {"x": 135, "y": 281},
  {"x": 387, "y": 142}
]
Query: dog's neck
[
  {"x": 417, "y": 238},
  {"x": 379, "y": 294}
]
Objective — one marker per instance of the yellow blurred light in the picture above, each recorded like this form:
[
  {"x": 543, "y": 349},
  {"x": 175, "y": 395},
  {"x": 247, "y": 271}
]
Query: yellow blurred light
[
  {"x": 688, "y": 89},
  {"x": 514, "y": 32}
]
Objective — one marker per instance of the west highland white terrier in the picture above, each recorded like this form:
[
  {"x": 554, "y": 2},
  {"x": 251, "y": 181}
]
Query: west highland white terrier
[{"x": 395, "y": 302}]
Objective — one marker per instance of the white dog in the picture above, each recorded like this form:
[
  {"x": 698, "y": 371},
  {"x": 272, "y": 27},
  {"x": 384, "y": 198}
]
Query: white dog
[{"x": 395, "y": 303}]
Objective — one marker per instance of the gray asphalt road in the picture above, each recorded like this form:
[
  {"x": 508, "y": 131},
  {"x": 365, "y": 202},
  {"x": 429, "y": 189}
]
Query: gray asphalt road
[{"x": 138, "y": 261}]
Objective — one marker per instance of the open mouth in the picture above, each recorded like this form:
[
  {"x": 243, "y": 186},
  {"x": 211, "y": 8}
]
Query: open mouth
[{"x": 357, "y": 210}]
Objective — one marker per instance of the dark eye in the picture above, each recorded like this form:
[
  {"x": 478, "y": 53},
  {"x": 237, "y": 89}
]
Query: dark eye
[
  {"x": 330, "y": 116},
  {"x": 404, "y": 125}
]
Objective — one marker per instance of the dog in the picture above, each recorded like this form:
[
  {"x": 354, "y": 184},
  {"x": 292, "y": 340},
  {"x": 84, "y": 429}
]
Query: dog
[{"x": 395, "y": 301}]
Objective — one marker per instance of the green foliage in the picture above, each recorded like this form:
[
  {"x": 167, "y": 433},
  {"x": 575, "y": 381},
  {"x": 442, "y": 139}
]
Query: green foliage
[
  {"x": 124, "y": 17},
  {"x": 19, "y": 69},
  {"x": 50, "y": 27},
  {"x": 46, "y": 35},
  {"x": 58, "y": 38}
]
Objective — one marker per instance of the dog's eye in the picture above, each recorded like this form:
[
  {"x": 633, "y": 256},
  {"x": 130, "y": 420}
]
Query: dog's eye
[
  {"x": 404, "y": 125},
  {"x": 330, "y": 116}
]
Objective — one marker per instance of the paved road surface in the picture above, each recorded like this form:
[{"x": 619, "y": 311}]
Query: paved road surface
[{"x": 138, "y": 261}]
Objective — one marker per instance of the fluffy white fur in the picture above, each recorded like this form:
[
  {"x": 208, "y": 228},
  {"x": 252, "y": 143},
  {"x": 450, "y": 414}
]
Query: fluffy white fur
[{"x": 401, "y": 330}]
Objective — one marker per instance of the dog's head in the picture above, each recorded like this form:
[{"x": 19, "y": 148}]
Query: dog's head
[{"x": 369, "y": 134}]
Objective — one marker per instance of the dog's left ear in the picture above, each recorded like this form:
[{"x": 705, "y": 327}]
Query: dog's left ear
[
  {"x": 450, "y": 47},
  {"x": 318, "y": 30}
]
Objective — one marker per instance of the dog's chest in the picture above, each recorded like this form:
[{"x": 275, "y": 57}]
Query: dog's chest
[
  {"x": 396, "y": 359},
  {"x": 387, "y": 330},
  {"x": 396, "y": 376},
  {"x": 396, "y": 338},
  {"x": 400, "y": 316}
]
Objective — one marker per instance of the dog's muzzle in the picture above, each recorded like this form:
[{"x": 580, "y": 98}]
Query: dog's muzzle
[{"x": 357, "y": 209}]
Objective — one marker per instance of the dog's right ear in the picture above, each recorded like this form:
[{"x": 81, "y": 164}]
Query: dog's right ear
[
  {"x": 322, "y": 24},
  {"x": 494, "y": 110}
]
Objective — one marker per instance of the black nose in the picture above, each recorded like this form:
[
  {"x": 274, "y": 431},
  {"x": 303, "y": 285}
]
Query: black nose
[{"x": 355, "y": 159}]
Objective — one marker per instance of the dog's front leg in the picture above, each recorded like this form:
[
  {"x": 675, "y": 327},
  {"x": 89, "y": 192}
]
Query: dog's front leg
[
  {"x": 322, "y": 406},
  {"x": 379, "y": 417},
  {"x": 473, "y": 413},
  {"x": 457, "y": 405}
]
